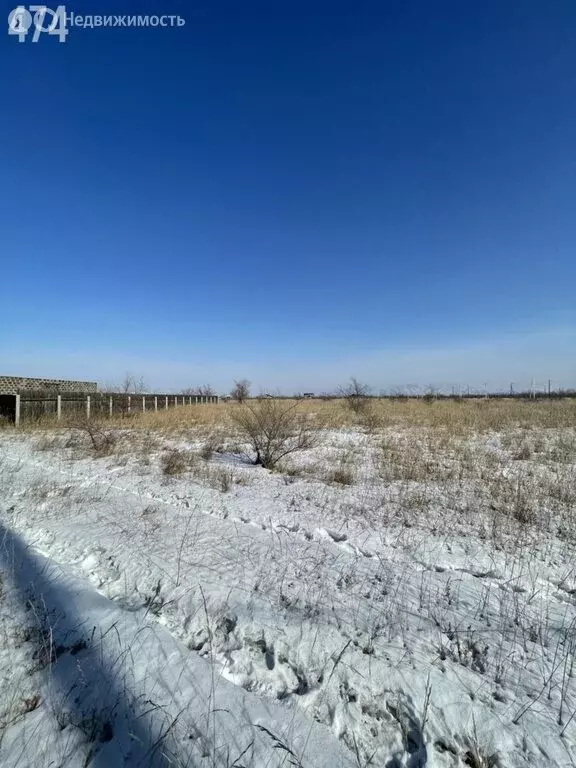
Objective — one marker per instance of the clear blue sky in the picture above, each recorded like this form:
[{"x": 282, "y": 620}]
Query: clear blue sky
[{"x": 295, "y": 192}]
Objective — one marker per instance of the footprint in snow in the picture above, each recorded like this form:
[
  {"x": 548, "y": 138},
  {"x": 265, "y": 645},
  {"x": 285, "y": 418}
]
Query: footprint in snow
[{"x": 334, "y": 535}]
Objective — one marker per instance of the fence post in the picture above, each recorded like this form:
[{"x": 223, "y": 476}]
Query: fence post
[
  {"x": 129, "y": 403},
  {"x": 143, "y": 403},
  {"x": 166, "y": 402},
  {"x": 155, "y": 402},
  {"x": 17, "y": 411},
  {"x": 111, "y": 406},
  {"x": 87, "y": 406},
  {"x": 58, "y": 407}
]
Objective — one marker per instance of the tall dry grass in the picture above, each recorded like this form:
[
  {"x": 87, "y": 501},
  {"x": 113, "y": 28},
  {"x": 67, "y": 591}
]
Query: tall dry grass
[{"x": 455, "y": 416}]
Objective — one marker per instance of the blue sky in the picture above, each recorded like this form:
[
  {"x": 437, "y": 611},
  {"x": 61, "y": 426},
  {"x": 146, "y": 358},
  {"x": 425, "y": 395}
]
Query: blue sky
[{"x": 293, "y": 192}]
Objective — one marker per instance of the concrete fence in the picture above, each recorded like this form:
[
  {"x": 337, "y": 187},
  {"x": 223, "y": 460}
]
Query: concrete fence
[
  {"x": 32, "y": 406},
  {"x": 10, "y": 385}
]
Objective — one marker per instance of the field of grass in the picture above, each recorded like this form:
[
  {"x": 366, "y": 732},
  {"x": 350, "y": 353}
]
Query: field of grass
[{"x": 398, "y": 586}]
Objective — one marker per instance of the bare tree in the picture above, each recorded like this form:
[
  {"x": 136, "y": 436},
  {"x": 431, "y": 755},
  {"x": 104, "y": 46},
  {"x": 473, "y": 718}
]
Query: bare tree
[
  {"x": 356, "y": 395},
  {"x": 275, "y": 429},
  {"x": 206, "y": 390},
  {"x": 241, "y": 390},
  {"x": 131, "y": 385}
]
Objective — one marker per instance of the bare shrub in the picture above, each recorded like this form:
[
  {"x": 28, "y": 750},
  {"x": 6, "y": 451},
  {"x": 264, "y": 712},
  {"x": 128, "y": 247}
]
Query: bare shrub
[
  {"x": 523, "y": 453},
  {"x": 430, "y": 395},
  {"x": 134, "y": 385},
  {"x": 205, "y": 390},
  {"x": 241, "y": 391},
  {"x": 212, "y": 445},
  {"x": 175, "y": 462},
  {"x": 369, "y": 418},
  {"x": 223, "y": 479},
  {"x": 207, "y": 450},
  {"x": 357, "y": 396},
  {"x": 275, "y": 429},
  {"x": 341, "y": 476},
  {"x": 103, "y": 442}
]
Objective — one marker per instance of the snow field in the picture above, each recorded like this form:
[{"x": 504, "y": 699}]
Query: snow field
[{"x": 416, "y": 609}]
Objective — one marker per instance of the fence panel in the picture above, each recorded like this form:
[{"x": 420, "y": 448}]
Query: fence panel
[{"x": 35, "y": 406}]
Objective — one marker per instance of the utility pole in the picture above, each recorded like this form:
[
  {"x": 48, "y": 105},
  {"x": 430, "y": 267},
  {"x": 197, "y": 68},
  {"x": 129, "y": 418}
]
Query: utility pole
[{"x": 549, "y": 390}]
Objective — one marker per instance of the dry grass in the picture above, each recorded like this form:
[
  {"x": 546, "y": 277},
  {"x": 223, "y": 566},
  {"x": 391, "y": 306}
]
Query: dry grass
[
  {"x": 510, "y": 460},
  {"x": 457, "y": 417}
]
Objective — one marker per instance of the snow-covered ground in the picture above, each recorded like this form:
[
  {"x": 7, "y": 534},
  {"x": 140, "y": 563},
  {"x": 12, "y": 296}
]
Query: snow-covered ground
[{"x": 415, "y": 608}]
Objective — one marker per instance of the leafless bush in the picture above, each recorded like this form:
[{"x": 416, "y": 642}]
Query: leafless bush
[
  {"x": 430, "y": 395},
  {"x": 523, "y": 453},
  {"x": 341, "y": 476},
  {"x": 212, "y": 445},
  {"x": 357, "y": 396},
  {"x": 131, "y": 385},
  {"x": 103, "y": 442},
  {"x": 241, "y": 391},
  {"x": 222, "y": 479},
  {"x": 205, "y": 390},
  {"x": 207, "y": 450},
  {"x": 175, "y": 462},
  {"x": 275, "y": 429},
  {"x": 370, "y": 419}
]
